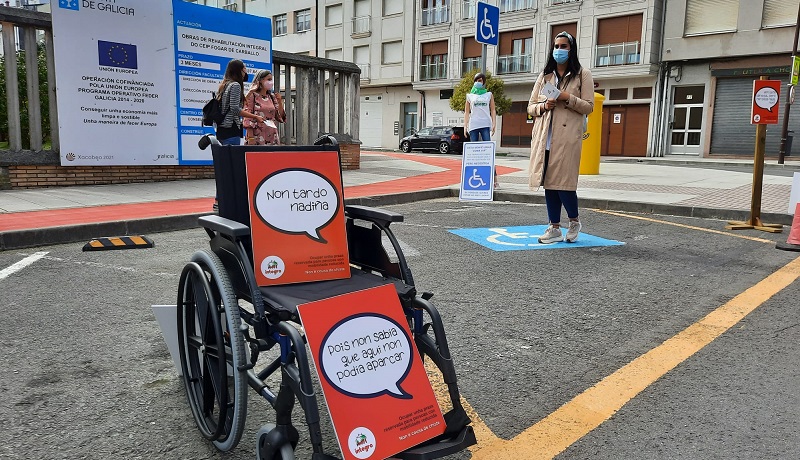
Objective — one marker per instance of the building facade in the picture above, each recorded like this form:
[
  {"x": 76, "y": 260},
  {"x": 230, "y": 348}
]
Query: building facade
[{"x": 712, "y": 52}]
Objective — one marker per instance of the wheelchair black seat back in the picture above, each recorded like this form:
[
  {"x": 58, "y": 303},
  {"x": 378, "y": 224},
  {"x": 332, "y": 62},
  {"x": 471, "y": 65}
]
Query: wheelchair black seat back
[{"x": 233, "y": 334}]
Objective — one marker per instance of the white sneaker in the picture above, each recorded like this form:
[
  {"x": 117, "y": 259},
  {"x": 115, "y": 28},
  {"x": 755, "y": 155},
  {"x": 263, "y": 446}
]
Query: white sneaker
[
  {"x": 573, "y": 231},
  {"x": 551, "y": 235}
]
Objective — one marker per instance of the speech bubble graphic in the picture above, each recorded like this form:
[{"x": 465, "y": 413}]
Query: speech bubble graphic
[
  {"x": 767, "y": 98},
  {"x": 366, "y": 355},
  {"x": 296, "y": 201}
]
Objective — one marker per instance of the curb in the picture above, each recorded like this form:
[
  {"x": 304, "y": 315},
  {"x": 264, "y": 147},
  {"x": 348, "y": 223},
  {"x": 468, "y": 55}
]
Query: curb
[{"x": 19, "y": 239}]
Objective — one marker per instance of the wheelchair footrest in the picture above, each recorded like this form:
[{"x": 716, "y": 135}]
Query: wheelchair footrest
[{"x": 459, "y": 442}]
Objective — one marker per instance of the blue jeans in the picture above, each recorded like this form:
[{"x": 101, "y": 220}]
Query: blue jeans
[
  {"x": 480, "y": 134},
  {"x": 231, "y": 141},
  {"x": 556, "y": 198}
]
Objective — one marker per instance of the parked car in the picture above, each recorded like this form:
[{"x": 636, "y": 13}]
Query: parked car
[{"x": 443, "y": 139}]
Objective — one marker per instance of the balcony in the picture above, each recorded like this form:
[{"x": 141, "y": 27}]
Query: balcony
[
  {"x": 513, "y": 63},
  {"x": 362, "y": 26},
  {"x": 468, "y": 9},
  {"x": 436, "y": 15},
  {"x": 231, "y": 6},
  {"x": 468, "y": 64},
  {"x": 433, "y": 71},
  {"x": 507, "y": 6},
  {"x": 564, "y": 2},
  {"x": 364, "y": 71},
  {"x": 617, "y": 54}
]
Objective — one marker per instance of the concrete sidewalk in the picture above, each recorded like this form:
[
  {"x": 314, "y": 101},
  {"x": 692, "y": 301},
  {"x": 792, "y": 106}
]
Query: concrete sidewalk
[{"x": 676, "y": 186}]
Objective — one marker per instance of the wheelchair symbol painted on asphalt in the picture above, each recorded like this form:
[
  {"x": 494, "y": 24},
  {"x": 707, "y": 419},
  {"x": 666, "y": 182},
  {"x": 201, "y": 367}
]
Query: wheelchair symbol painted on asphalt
[
  {"x": 486, "y": 22},
  {"x": 525, "y": 238}
]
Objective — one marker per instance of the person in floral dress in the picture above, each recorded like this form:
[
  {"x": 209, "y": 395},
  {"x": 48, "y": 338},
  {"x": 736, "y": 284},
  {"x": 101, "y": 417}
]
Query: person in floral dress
[{"x": 263, "y": 102}]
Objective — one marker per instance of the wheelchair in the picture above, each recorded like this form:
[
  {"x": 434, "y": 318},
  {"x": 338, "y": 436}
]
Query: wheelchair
[{"x": 234, "y": 334}]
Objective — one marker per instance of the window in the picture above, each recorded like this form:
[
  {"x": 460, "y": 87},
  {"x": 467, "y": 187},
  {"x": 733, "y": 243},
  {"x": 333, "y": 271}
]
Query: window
[
  {"x": 333, "y": 15},
  {"x": 392, "y": 53},
  {"x": 507, "y": 6},
  {"x": 280, "y": 24},
  {"x": 618, "y": 94},
  {"x": 468, "y": 9},
  {"x": 433, "y": 61},
  {"x": 779, "y": 13},
  {"x": 302, "y": 20},
  {"x": 362, "y": 18},
  {"x": 618, "y": 41},
  {"x": 470, "y": 55},
  {"x": 435, "y": 12},
  {"x": 711, "y": 16},
  {"x": 643, "y": 92},
  {"x": 361, "y": 59},
  {"x": 335, "y": 54},
  {"x": 514, "y": 52},
  {"x": 391, "y": 7}
]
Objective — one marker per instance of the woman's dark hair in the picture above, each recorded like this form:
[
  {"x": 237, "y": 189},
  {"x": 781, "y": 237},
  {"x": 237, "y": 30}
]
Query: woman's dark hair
[
  {"x": 479, "y": 76},
  {"x": 233, "y": 73},
  {"x": 573, "y": 65}
]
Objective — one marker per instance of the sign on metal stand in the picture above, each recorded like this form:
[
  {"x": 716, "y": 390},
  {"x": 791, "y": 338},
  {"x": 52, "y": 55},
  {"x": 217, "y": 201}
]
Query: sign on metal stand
[
  {"x": 487, "y": 20},
  {"x": 764, "y": 111}
]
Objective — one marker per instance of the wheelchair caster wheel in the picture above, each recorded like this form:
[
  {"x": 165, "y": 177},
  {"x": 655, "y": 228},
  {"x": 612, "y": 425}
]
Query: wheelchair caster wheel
[{"x": 271, "y": 444}]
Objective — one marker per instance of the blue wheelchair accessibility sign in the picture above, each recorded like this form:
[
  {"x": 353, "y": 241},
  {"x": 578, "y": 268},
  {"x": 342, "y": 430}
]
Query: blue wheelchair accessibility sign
[
  {"x": 525, "y": 238},
  {"x": 487, "y": 19},
  {"x": 477, "y": 177}
]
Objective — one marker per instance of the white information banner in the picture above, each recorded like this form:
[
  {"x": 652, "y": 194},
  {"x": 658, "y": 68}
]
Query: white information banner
[
  {"x": 115, "y": 82},
  {"x": 477, "y": 171}
]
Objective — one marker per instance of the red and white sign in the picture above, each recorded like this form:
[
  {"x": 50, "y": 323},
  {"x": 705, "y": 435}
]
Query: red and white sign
[
  {"x": 766, "y": 95},
  {"x": 373, "y": 379},
  {"x": 297, "y": 217}
]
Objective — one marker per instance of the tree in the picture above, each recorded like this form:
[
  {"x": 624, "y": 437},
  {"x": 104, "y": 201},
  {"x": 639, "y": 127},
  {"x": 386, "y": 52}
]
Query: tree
[
  {"x": 44, "y": 106},
  {"x": 502, "y": 104}
]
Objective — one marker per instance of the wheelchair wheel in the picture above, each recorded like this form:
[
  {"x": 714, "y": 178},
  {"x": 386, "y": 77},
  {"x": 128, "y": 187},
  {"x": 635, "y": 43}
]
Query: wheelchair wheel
[
  {"x": 212, "y": 350},
  {"x": 286, "y": 452}
]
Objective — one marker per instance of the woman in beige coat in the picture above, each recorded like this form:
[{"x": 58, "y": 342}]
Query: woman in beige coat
[{"x": 558, "y": 134}]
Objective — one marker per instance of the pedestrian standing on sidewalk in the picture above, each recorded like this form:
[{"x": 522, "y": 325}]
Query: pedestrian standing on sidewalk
[
  {"x": 262, "y": 101},
  {"x": 231, "y": 92},
  {"x": 557, "y": 135},
  {"x": 479, "y": 113}
]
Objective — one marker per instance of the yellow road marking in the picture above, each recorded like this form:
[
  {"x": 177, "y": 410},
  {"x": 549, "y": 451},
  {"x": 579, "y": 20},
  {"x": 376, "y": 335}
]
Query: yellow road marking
[
  {"x": 588, "y": 410},
  {"x": 692, "y": 227},
  {"x": 483, "y": 433}
]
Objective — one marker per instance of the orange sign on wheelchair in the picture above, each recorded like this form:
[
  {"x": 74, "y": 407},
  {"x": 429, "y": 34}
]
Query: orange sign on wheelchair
[
  {"x": 297, "y": 217},
  {"x": 372, "y": 376}
]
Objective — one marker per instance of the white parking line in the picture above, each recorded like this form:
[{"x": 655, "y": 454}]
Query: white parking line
[{"x": 4, "y": 273}]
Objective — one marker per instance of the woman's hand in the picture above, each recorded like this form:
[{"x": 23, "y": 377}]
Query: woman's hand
[
  {"x": 563, "y": 96},
  {"x": 550, "y": 104}
]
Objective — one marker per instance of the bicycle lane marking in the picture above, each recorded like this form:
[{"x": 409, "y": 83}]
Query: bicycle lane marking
[
  {"x": 578, "y": 417},
  {"x": 10, "y": 270}
]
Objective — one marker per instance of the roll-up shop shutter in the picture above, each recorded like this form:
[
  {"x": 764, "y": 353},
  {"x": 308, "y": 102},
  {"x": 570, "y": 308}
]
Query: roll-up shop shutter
[{"x": 731, "y": 131}]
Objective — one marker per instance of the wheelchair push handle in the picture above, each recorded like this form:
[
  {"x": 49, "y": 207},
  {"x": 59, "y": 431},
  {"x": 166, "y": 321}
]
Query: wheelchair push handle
[{"x": 326, "y": 139}]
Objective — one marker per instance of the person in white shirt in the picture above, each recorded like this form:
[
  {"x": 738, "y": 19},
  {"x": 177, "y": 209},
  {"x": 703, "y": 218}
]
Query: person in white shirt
[{"x": 480, "y": 117}]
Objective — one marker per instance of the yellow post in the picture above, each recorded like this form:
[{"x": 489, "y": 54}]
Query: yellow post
[{"x": 590, "y": 152}]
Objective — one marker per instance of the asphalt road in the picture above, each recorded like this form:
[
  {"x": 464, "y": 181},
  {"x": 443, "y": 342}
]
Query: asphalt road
[{"x": 86, "y": 373}]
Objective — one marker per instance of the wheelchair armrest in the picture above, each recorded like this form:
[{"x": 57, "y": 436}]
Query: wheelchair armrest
[
  {"x": 224, "y": 226},
  {"x": 380, "y": 216}
]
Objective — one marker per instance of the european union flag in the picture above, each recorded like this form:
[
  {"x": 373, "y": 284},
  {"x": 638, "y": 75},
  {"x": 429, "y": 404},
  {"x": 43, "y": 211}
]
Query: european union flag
[{"x": 116, "y": 55}]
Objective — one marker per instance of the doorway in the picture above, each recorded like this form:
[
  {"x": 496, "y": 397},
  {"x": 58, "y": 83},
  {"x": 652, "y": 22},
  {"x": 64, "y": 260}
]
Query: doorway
[
  {"x": 409, "y": 125},
  {"x": 686, "y": 122}
]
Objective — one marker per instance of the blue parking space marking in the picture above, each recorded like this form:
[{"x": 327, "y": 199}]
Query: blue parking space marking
[{"x": 525, "y": 238}]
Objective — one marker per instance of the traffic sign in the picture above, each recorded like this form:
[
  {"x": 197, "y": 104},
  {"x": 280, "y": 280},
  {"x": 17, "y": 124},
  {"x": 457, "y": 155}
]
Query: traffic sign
[
  {"x": 795, "y": 69},
  {"x": 487, "y": 20}
]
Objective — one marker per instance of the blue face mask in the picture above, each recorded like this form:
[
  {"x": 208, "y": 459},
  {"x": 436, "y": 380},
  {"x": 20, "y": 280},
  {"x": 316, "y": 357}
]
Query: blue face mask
[
  {"x": 560, "y": 55},
  {"x": 478, "y": 85}
]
